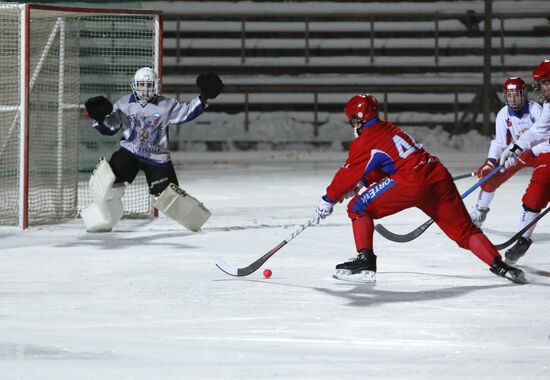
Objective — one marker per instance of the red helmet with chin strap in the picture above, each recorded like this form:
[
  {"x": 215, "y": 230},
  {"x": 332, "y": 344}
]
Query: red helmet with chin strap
[
  {"x": 515, "y": 93},
  {"x": 542, "y": 71},
  {"x": 361, "y": 108},
  {"x": 514, "y": 84}
]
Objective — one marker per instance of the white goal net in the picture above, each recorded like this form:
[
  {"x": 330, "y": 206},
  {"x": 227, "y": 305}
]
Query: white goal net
[{"x": 51, "y": 60}]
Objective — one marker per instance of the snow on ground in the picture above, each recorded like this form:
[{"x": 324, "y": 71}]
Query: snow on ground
[{"x": 146, "y": 300}]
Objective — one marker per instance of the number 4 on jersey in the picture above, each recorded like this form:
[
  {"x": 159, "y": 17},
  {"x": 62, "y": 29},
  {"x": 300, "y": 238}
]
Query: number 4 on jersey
[{"x": 404, "y": 148}]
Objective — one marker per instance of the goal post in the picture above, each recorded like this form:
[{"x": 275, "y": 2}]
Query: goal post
[{"x": 52, "y": 58}]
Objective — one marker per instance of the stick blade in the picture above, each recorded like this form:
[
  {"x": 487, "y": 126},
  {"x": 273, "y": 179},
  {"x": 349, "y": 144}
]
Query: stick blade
[
  {"x": 238, "y": 272},
  {"x": 226, "y": 268},
  {"x": 406, "y": 237},
  {"x": 245, "y": 271}
]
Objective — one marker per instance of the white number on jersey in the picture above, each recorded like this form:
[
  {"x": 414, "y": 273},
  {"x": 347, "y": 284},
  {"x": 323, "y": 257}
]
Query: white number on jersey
[{"x": 403, "y": 147}]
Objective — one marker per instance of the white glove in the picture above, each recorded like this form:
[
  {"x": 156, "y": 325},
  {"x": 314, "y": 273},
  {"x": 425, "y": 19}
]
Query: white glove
[
  {"x": 509, "y": 157},
  {"x": 323, "y": 210}
]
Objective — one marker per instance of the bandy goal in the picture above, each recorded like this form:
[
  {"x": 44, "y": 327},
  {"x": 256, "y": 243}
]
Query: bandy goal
[{"x": 51, "y": 60}]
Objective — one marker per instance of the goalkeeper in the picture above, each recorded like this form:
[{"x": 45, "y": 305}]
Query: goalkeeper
[{"x": 144, "y": 117}]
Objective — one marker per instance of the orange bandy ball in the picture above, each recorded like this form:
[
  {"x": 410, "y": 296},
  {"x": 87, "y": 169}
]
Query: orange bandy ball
[{"x": 267, "y": 273}]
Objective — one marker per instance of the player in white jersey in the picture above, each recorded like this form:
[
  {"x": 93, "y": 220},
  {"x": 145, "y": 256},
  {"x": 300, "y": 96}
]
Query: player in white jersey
[
  {"x": 533, "y": 149},
  {"x": 512, "y": 120},
  {"x": 143, "y": 117}
]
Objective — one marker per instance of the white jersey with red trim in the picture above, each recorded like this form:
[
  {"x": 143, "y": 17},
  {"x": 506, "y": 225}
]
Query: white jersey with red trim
[
  {"x": 537, "y": 137},
  {"x": 510, "y": 125}
]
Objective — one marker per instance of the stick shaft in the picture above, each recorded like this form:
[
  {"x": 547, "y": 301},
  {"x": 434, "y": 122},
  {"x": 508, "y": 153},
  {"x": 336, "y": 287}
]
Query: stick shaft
[
  {"x": 518, "y": 234},
  {"x": 461, "y": 176},
  {"x": 245, "y": 271}
]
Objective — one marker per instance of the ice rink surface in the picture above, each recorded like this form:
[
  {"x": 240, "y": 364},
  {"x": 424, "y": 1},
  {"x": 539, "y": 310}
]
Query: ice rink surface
[{"x": 147, "y": 302}]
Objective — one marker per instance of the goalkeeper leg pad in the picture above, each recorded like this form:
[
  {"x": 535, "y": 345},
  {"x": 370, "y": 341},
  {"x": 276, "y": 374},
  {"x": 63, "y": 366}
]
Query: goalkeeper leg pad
[
  {"x": 102, "y": 219},
  {"x": 106, "y": 209},
  {"x": 182, "y": 207}
]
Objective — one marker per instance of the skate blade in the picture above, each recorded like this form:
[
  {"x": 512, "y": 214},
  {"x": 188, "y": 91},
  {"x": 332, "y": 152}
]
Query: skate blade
[
  {"x": 363, "y": 277},
  {"x": 517, "y": 280},
  {"x": 510, "y": 261}
]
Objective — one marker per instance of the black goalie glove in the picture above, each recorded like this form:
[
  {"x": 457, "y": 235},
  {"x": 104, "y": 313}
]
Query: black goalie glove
[
  {"x": 98, "y": 107},
  {"x": 210, "y": 85}
]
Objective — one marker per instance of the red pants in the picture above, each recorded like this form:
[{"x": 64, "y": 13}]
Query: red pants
[
  {"x": 440, "y": 201},
  {"x": 498, "y": 179},
  {"x": 537, "y": 195}
]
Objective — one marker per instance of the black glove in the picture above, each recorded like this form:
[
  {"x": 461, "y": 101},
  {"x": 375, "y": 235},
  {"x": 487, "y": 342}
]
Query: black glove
[
  {"x": 98, "y": 107},
  {"x": 210, "y": 85}
]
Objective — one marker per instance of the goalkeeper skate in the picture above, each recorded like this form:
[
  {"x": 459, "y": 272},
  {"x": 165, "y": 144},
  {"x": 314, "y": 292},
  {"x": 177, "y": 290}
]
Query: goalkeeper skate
[
  {"x": 500, "y": 268},
  {"x": 360, "y": 269}
]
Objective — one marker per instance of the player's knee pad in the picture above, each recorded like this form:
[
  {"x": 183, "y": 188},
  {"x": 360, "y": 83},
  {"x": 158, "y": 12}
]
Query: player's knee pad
[
  {"x": 182, "y": 207},
  {"x": 527, "y": 208},
  {"x": 535, "y": 198},
  {"x": 106, "y": 208}
]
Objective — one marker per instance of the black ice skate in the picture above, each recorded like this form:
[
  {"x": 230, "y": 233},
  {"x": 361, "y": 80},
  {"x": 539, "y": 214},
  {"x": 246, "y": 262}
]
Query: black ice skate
[
  {"x": 518, "y": 250},
  {"x": 500, "y": 268},
  {"x": 361, "y": 268}
]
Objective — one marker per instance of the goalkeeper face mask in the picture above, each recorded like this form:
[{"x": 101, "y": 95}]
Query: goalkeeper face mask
[{"x": 144, "y": 84}]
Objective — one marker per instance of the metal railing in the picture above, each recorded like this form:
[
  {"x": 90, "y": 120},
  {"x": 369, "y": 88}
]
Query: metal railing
[
  {"x": 471, "y": 27},
  {"x": 463, "y": 117},
  {"x": 470, "y": 20}
]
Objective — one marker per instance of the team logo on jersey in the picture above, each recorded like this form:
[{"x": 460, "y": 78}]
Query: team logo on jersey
[
  {"x": 151, "y": 121},
  {"x": 143, "y": 136},
  {"x": 155, "y": 118},
  {"x": 509, "y": 123},
  {"x": 371, "y": 194}
]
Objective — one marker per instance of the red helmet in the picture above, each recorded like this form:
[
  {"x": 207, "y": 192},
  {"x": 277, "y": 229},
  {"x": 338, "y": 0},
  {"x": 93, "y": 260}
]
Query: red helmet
[
  {"x": 514, "y": 93},
  {"x": 361, "y": 108},
  {"x": 542, "y": 71},
  {"x": 514, "y": 84}
]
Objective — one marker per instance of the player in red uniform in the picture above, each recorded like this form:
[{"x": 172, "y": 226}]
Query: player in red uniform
[
  {"x": 532, "y": 148},
  {"x": 399, "y": 173}
]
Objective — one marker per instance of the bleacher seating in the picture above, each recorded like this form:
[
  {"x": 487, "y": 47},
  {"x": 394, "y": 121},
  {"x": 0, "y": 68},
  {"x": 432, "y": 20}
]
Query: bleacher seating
[{"x": 424, "y": 63}]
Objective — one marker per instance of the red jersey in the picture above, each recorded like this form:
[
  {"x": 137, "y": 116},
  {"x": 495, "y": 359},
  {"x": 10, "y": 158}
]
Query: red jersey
[{"x": 384, "y": 149}]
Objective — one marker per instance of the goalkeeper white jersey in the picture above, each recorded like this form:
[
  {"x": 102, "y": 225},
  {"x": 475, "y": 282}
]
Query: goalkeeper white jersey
[{"x": 145, "y": 128}]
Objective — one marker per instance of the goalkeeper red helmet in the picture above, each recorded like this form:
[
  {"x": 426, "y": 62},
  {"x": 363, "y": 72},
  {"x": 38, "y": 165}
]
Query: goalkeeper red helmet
[
  {"x": 542, "y": 71},
  {"x": 361, "y": 108},
  {"x": 515, "y": 93}
]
